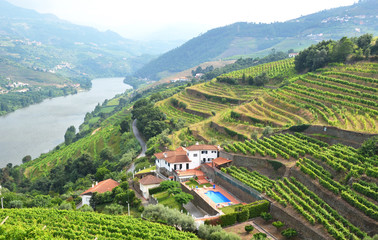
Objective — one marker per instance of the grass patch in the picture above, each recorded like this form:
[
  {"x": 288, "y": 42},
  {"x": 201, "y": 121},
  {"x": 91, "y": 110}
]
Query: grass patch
[
  {"x": 167, "y": 200},
  {"x": 193, "y": 183},
  {"x": 230, "y": 209},
  {"x": 147, "y": 170}
]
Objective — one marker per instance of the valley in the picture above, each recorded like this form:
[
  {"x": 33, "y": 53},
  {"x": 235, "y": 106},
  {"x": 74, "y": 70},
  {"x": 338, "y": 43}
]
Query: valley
[{"x": 248, "y": 131}]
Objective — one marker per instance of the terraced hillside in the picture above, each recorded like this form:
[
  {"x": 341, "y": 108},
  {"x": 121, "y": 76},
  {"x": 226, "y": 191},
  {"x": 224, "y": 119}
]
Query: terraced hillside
[
  {"x": 343, "y": 96},
  {"x": 216, "y": 97},
  {"x": 343, "y": 196},
  {"x": 37, "y": 223}
]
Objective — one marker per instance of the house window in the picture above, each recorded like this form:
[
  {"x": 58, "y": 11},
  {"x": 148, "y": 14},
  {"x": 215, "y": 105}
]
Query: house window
[
  {"x": 169, "y": 165},
  {"x": 157, "y": 160},
  {"x": 180, "y": 166},
  {"x": 175, "y": 166},
  {"x": 213, "y": 151},
  {"x": 195, "y": 155},
  {"x": 204, "y": 152},
  {"x": 187, "y": 166}
]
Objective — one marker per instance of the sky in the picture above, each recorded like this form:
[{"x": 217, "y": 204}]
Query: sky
[{"x": 174, "y": 19}]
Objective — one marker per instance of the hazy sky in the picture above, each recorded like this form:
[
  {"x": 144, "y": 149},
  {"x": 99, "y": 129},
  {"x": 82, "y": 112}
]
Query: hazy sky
[{"x": 138, "y": 19}]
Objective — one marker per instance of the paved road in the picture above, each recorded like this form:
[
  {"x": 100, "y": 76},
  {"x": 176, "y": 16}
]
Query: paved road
[{"x": 141, "y": 142}]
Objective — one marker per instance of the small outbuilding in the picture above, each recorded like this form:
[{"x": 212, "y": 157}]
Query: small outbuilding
[
  {"x": 99, "y": 187},
  {"x": 147, "y": 182}
]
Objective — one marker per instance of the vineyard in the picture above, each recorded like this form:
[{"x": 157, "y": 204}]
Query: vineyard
[
  {"x": 282, "y": 146},
  {"x": 36, "y": 223},
  {"x": 292, "y": 193},
  {"x": 273, "y": 69},
  {"x": 345, "y": 97}
]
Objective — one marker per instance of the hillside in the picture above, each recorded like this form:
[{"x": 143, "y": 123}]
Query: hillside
[
  {"x": 258, "y": 39},
  {"x": 43, "y": 42}
]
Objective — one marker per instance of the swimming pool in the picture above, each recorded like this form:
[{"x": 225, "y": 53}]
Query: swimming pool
[{"x": 217, "y": 197}]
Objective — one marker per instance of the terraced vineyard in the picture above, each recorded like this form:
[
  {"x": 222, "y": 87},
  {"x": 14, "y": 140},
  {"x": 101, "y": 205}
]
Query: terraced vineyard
[
  {"x": 273, "y": 69},
  {"x": 283, "y": 146},
  {"x": 36, "y": 223},
  {"x": 174, "y": 113},
  {"x": 230, "y": 93},
  {"x": 199, "y": 104},
  {"x": 345, "y": 97},
  {"x": 291, "y": 193}
]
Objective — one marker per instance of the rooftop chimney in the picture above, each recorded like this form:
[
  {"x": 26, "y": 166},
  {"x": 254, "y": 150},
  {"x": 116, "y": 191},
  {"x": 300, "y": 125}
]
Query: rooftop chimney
[{"x": 165, "y": 155}]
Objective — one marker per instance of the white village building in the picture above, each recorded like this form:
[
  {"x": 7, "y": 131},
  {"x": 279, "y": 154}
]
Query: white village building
[{"x": 185, "y": 158}]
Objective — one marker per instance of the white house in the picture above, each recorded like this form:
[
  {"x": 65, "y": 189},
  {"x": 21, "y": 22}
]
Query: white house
[
  {"x": 101, "y": 187},
  {"x": 185, "y": 158},
  {"x": 147, "y": 182}
]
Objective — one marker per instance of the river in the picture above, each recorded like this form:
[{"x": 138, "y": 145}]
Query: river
[{"x": 41, "y": 127}]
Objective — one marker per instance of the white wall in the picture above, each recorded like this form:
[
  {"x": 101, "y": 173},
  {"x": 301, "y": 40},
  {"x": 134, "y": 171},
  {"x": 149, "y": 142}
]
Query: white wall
[
  {"x": 144, "y": 189},
  {"x": 85, "y": 199}
]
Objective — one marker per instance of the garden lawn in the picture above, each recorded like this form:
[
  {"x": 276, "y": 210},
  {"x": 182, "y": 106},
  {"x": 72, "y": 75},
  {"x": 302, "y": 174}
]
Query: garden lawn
[{"x": 167, "y": 200}]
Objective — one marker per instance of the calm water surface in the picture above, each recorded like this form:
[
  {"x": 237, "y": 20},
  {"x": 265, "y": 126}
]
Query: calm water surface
[{"x": 41, "y": 127}]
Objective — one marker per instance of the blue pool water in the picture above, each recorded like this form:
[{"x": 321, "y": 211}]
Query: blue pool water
[{"x": 217, "y": 197}]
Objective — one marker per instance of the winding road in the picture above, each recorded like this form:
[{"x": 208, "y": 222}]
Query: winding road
[{"x": 141, "y": 142}]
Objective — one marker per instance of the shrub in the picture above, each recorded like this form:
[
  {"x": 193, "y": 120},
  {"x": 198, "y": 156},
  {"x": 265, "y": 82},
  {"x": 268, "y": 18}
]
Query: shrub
[
  {"x": 86, "y": 208},
  {"x": 267, "y": 131},
  {"x": 152, "y": 191},
  {"x": 259, "y": 236},
  {"x": 266, "y": 216},
  {"x": 16, "y": 204},
  {"x": 289, "y": 233},
  {"x": 114, "y": 209},
  {"x": 65, "y": 206},
  {"x": 278, "y": 224},
  {"x": 248, "y": 228},
  {"x": 204, "y": 231}
]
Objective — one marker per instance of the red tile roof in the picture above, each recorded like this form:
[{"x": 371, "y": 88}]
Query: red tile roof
[
  {"x": 150, "y": 179},
  {"x": 103, "y": 186},
  {"x": 173, "y": 156},
  {"x": 202, "y": 147},
  {"x": 220, "y": 161}
]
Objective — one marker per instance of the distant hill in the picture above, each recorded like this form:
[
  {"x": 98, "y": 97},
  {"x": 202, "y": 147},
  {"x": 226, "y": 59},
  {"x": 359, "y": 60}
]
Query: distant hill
[
  {"x": 253, "y": 39},
  {"x": 43, "y": 42}
]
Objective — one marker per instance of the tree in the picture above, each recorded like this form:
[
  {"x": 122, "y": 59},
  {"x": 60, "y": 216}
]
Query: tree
[
  {"x": 26, "y": 159},
  {"x": 342, "y": 50},
  {"x": 369, "y": 148},
  {"x": 101, "y": 172},
  {"x": 278, "y": 224},
  {"x": 364, "y": 41},
  {"x": 114, "y": 209},
  {"x": 267, "y": 131},
  {"x": 70, "y": 134},
  {"x": 183, "y": 198},
  {"x": 124, "y": 126},
  {"x": 41, "y": 201}
]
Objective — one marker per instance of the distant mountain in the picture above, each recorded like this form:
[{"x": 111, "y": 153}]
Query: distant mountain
[
  {"x": 253, "y": 39},
  {"x": 43, "y": 42}
]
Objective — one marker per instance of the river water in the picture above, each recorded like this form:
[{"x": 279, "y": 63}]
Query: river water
[{"x": 41, "y": 127}]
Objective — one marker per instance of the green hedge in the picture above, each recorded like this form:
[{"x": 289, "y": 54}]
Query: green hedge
[
  {"x": 154, "y": 190},
  {"x": 246, "y": 212},
  {"x": 228, "y": 219},
  {"x": 256, "y": 208},
  {"x": 243, "y": 215}
]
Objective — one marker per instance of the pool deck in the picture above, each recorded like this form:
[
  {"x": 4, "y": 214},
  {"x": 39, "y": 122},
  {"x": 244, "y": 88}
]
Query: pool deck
[{"x": 202, "y": 191}]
